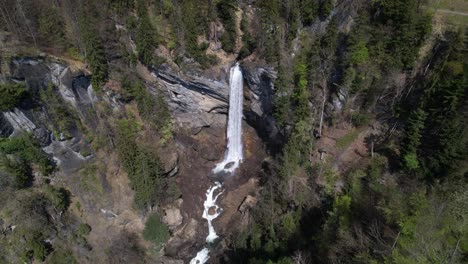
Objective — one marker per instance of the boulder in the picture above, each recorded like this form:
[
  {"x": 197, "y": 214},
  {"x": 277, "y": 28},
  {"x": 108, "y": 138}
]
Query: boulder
[
  {"x": 248, "y": 203},
  {"x": 172, "y": 215}
]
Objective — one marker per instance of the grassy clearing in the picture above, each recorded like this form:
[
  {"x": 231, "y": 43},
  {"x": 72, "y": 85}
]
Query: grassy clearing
[
  {"x": 456, "y": 19},
  {"x": 346, "y": 140},
  {"x": 455, "y": 5},
  {"x": 89, "y": 180},
  {"x": 443, "y": 7}
]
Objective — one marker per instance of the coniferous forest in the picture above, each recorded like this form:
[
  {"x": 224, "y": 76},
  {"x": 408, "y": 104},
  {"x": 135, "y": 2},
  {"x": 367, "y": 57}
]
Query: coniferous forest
[{"x": 114, "y": 114}]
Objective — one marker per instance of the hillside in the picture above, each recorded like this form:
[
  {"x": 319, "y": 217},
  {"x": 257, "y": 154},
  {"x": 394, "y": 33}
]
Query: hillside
[{"x": 265, "y": 131}]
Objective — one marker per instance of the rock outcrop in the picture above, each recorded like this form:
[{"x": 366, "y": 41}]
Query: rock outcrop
[
  {"x": 197, "y": 102},
  {"x": 194, "y": 101},
  {"x": 75, "y": 90},
  {"x": 259, "y": 104}
]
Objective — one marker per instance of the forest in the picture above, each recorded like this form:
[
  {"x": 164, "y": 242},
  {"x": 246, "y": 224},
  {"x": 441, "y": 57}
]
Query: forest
[{"x": 391, "y": 74}]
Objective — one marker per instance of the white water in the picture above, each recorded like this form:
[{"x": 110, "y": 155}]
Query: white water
[
  {"x": 233, "y": 157},
  {"x": 210, "y": 202},
  {"x": 202, "y": 257},
  {"x": 234, "y": 153}
]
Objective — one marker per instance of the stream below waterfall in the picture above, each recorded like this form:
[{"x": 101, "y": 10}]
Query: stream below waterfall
[{"x": 232, "y": 158}]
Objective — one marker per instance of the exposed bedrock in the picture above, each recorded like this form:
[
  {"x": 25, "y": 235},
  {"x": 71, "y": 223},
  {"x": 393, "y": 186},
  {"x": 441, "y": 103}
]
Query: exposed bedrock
[
  {"x": 75, "y": 90},
  {"x": 198, "y": 102}
]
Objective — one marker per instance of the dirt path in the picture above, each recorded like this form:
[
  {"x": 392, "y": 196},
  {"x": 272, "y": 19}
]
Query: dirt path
[{"x": 446, "y": 11}]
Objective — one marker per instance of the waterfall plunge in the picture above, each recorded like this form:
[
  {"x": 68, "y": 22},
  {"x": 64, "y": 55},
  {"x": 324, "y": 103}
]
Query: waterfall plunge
[
  {"x": 234, "y": 154},
  {"x": 233, "y": 157}
]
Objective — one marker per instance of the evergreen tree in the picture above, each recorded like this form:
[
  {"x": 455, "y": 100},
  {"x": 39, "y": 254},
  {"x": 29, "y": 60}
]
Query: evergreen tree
[
  {"x": 95, "y": 53},
  {"x": 145, "y": 35}
]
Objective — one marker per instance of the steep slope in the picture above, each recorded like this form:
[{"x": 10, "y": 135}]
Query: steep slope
[{"x": 114, "y": 114}]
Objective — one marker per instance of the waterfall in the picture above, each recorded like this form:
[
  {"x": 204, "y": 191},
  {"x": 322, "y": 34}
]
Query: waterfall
[
  {"x": 232, "y": 158},
  {"x": 234, "y": 155}
]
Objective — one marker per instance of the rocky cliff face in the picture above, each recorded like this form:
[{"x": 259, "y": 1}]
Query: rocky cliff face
[
  {"x": 32, "y": 117},
  {"x": 198, "y": 106},
  {"x": 197, "y": 102}
]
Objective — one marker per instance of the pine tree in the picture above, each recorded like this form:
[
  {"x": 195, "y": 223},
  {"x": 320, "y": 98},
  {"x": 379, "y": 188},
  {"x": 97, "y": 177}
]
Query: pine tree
[{"x": 145, "y": 40}]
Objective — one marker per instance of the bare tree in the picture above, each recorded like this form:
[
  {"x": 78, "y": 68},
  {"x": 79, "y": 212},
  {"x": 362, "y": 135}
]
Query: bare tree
[{"x": 301, "y": 257}]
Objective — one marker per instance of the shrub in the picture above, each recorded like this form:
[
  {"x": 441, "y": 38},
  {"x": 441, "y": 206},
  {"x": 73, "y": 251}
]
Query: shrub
[
  {"x": 62, "y": 257},
  {"x": 155, "y": 231},
  {"x": 359, "y": 53},
  {"x": 39, "y": 250},
  {"x": 411, "y": 161},
  {"x": 11, "y": 95},
  {"x": 24, "y": 147},
  {"x": 63, "y": 118},
  {"x": 360, "y": 119},
  {"x": 83, "y": 230},
  {"x": 60, "y": 198},
  {"x": 344, "y": 141}
]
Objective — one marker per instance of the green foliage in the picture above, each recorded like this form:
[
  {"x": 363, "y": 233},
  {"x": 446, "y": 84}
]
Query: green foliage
[
  {"x": 122, "y": 6},
  {"x": 83, "y": 230},
  {"x": 80, "y": 234},
  {"x": 432, "y": 231},
  {"x": 155, "y": 230},
  {"x": 341, "y": 210},
  {"x": 152, "y": 108},
  {"x": 411, "y": 25},
  {"x": 39, "y": 250},
  {"x": 301, "y": 94},
  {"x": 281, "y": 100},
  {"x": 411, "y": 161},
  {"x": 377, "y": 167},
  {"x": 64, "y": 120},
  {"x": 435, "y": 136},
  {"x": 414, "y": 129},
  {"x": 344, "y": 141},
  {"x": 309, "y": 11},
  {"x": 248, "y": 42},
  {"x": 360, "y": 119},
  {"x": 26, "y": 149},
  {"x": 62, "y": 257},
  {"x": 58, "y": 197},
  {"x": 11, "y": 95},
  {"x": 288, "y": 226},
  {"x": 52, "y": 27},
  {"x": 144, "y": 169},
  {"x": 359, "y": 53},
  {"x": 145, "y": 40},
  {"x": 226, "y": 11},
  {"x": 325, "y": 8},
  {"x": 95, "y": 52},
  {"x": 195, "y": 23}
]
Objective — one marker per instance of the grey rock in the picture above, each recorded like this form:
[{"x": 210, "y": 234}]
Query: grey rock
[
  {"x": 172, "y": 214},
  {"x": 6, "y": 129},
  {"x": 19, "y": 121},
  {"x": 43, "y": 136},
  {"x": 194, "y": 101}
]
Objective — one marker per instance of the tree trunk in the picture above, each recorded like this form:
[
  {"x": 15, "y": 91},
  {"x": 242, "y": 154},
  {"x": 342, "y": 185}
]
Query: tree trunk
[
  {"x": 20, "y": 9},
  {"x": 321, "y": 114},
  {"x": 455, "y": 251}
]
